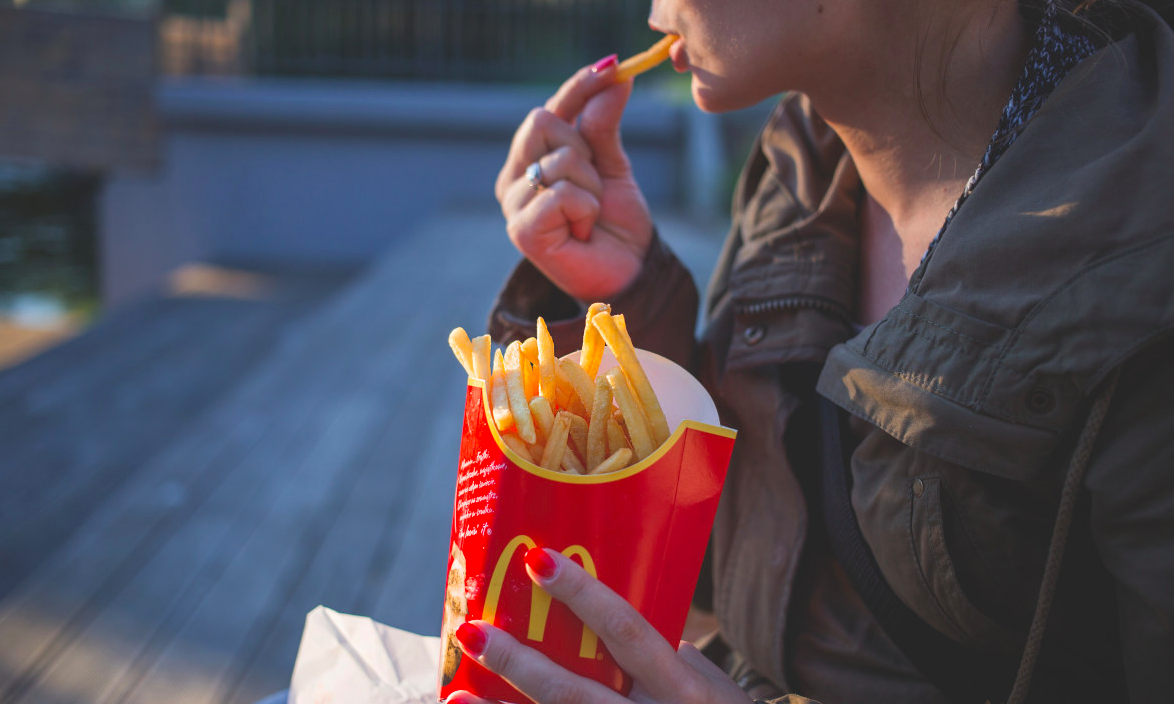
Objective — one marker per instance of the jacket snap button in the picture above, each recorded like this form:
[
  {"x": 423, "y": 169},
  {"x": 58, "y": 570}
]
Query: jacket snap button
[
  {"x": 918, "y": 488},
  {"x": 1040, "y": 400},
  {"x": 753, "y": 334}
]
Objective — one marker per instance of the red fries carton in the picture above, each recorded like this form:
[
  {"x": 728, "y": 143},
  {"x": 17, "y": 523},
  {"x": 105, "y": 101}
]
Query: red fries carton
[{"x": 641, "y": 530}]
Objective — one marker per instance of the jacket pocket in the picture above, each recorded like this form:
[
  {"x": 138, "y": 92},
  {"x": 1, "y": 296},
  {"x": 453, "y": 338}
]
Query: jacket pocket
[{"x": 957, "y": 615}]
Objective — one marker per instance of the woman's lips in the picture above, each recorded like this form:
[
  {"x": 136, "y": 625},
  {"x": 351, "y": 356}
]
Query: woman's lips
[{"x": 679, "y": 58}]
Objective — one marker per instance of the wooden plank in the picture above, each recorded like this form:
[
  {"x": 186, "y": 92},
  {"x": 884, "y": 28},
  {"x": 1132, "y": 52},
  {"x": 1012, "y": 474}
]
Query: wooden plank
[
  {"x": 261, "y": 591},
  {"x": 103, "y": 437},
  {"x": 64, "y": 597},
  {"x": 385, "y": 495}
]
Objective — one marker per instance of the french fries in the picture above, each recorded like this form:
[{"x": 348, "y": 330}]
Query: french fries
[
  {"x": 645, "y": 60},
  {"x": 562, "y": 414},
  {"x": 462, "y": 347}
]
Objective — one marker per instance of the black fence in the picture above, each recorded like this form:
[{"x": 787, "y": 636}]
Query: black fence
[{"x": 457, "y": 40}]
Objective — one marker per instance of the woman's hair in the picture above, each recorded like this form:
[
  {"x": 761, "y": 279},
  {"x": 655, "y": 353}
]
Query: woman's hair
[{"x": 1106, "y": 21}]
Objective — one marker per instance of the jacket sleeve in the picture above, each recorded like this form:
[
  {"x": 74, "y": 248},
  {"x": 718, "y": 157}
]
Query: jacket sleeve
[
  {"x": 660, "y": 308},
  {"x": 1131, "y": 483}
]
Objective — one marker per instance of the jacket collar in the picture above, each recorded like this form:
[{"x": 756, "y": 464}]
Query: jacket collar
[{"x": 1054, "y": 271}]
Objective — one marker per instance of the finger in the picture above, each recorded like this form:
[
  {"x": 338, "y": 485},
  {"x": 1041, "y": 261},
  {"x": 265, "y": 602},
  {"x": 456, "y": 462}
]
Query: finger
[
  {"x": 566, "y": 163},
  {"x": 633, "y": 642},
  {"x": 599, "y": 124},
  {"x": 462, "y": 697},
  {"x": 519, "y": 194},
  {"x": 572, "y": 96},
  {"x": 598, "y": 102},
  {"x": 562, "y": 164},
  {"x": 695, "y": 659},
  {"x": 551, "y": 216},
  {"x": 540, "y": 133},
  {"x": 531, "y": 672}
]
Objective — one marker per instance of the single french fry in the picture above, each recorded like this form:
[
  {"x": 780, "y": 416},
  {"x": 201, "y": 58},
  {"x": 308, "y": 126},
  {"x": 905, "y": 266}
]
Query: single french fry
[
  {"x": 625, "y": 354},
  {"x": 592, "y": 353},
  {"x": 622, "y": 325},
  {"x": 633, "y": 418},
  {"x": 645, "y": 60},
  {"x": 481, "y": 348},
  {"x": 564, "y": 396},
  {"x": 618, "y": 460},
  {"x": 516, "y": 391},
  {"x": 597, "y": 425},
  {"x": 582, "y": 384},
  {"x": 576, "y": 406},
  {"x": 543, "y": 416},
  {"x": 529, "y": 378},
  {"x": 546, "y": 362},
  {"x": 616, "y": 440},
  {"x": 578, "y": 433},
  {"x": 556, "y": 445},
  {"x": 462, "y": 347},
  {"x": 499, "y": 399},
  {"x": 530, "y": 350},
  {"x": 571, "y": 463},
  {"x": 515, "y": 443}
]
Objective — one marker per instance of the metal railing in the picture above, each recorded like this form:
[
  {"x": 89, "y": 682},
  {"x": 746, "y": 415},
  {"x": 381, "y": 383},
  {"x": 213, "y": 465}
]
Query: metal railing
[{"x": 454, "y": 40}]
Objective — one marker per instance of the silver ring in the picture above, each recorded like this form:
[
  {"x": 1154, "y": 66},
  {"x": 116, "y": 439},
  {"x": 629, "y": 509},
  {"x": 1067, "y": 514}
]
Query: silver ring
[{"x": 534, "y": 176}]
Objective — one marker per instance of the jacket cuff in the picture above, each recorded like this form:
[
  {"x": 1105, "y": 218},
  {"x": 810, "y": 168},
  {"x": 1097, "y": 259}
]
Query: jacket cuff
[{"x": 659, "y": 307}]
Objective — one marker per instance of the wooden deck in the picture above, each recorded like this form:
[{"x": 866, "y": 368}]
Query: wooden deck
[{"x": 180, "y": 485}]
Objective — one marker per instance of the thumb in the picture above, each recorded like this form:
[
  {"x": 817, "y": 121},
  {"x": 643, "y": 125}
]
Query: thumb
[{"x": 599, "y": 123}]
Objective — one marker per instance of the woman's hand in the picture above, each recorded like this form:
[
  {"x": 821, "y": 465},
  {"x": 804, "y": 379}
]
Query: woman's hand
[
  {"x": 586, "y": 226},
  {"x": 660, "y": 673}
]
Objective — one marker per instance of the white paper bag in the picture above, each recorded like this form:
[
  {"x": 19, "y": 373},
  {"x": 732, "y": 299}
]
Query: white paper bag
[{"x": 355, "y": 660}]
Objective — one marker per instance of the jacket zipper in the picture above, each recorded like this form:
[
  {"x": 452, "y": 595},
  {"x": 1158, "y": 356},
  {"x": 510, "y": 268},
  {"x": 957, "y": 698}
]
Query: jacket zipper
[{"x": 793, "y": 302}]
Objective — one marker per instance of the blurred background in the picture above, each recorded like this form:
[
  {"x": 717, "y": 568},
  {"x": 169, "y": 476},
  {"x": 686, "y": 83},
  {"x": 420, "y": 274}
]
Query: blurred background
[{"x": 233, "y": 237}]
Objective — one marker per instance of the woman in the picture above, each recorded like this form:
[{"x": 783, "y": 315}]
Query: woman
[{"x": 1006, "y": 373}]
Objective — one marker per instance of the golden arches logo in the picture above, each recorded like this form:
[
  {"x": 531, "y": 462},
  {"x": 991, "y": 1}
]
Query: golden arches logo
[{"x": 539, "y": 599}]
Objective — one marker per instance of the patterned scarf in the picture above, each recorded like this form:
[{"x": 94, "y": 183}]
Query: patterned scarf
[{"x": 1058, "y": 47}]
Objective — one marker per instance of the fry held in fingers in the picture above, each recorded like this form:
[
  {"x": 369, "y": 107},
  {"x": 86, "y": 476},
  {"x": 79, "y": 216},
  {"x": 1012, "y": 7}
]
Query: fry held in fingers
[{"x": 650, "y": 58}]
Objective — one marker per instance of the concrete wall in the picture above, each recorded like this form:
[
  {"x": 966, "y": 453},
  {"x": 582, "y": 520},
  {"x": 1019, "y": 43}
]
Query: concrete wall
[{"x": 307, "y": 174}]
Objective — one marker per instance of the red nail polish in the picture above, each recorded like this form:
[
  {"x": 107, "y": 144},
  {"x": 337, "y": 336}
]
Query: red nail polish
[
  {"x": 542, "y": 565},
  {"x": 604, "y": 63},
  {"x": 472, "y": 639}
]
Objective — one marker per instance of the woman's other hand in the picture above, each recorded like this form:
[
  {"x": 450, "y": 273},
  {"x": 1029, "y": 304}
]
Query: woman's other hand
[
  {"x": 586, "y": 226},
  {"x": 660, "y": 673}
]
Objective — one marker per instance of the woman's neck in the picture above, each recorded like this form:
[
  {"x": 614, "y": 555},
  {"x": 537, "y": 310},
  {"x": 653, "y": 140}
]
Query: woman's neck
[
  {"x": 916, "y": 149},
  {"x": 927, "y": 99}
]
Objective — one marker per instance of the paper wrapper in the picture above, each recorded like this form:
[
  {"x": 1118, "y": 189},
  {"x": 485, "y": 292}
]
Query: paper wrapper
[
  {"x": 642, "y": 531},
  {"x": 356, "y": 660}
]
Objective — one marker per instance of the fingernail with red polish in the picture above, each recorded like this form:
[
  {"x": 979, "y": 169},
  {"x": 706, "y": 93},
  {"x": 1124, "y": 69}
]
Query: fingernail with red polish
[
  {"x": 604, "y": 63},
  {"x": 542, "y": 565},
  {"x": 459, "y": 697},
  {"x": 472, "y": 639}
]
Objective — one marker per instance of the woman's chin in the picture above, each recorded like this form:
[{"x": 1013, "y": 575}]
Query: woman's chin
[
  {"x": 713, "y": 99},
  {"x": 705, "y": 97}
]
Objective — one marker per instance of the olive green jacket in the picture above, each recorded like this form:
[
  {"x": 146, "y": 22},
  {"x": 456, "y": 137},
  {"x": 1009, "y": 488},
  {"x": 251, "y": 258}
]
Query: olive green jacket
[{"x": 968, "y": 395}]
